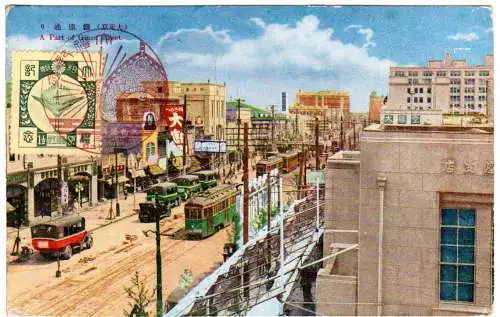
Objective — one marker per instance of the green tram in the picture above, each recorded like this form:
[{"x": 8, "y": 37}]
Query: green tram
[
  {"x": 207, "y": 179},
  {"x": 211, "y": 211},
  {"x": 187, "y": 185},
  {"x": 165, "y": 196}
]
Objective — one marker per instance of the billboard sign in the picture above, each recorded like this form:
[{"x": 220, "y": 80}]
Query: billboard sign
[
  {"x": 283, "y": 101},
  {"x": 315, "y": 177},
  {"x": 174, "y": 116},
  {"x": 209, "y": 146}
]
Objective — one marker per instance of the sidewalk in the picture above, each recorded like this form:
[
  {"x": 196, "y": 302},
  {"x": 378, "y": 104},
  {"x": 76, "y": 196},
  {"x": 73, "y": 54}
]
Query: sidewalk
[{"x": 96, "y": 217}]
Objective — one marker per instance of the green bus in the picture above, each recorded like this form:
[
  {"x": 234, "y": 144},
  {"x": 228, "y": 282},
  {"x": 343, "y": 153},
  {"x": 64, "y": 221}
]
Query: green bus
[
  {"x": 207, "y": 178},
  {"x": 187, "y": 185},
  {"x": 210, "y": 211}
]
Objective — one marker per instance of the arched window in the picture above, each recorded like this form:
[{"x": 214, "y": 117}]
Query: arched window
[{"x": 150, "y": 149}]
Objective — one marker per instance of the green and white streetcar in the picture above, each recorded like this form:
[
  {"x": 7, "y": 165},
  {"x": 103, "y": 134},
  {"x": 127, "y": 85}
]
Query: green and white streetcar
[
  {"x": 210, "y": 211},
  {"x": 207, "y": 179},
  {"x": 161, "y": 197},
  {"x": 187, "y": 185}
]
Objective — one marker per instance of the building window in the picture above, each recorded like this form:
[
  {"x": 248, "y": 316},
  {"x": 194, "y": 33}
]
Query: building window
[
  {"x": 470, "y": 73},
  {"x": 399, "y": 74},
  {"x": 159, "y": 90},
  {"x": 415, "y": 119},
  {"x": 455, "y": 73},
  {"x": 408, "y": 90},
  {"x": 413, "y": 74},
  {"x": 12, "y": 157},
  {"x": 482, "y": 81},
  {"x": 429, "y": 90},
  {"x": 479, "y": 106},
  {"x": 150, "y": 150},
  {"x": 441, "y": 74},
  {"x": 201, "y": 89},
  {"x": 408, "y": 99},
  {"x": 484, "y": 73},
  {"x": 429, "y": 99},
  {"x": 455, "y": 89},
  {"x": 457, "y": 259},
  {"x": 455, "y": 98},
  {"x": 470, "y": 81},
  {"x": 469, "y": 90},
  {"x": 415, "y": 99},
  {"x": 421, "y": 90},
  {"x": 428, "y": 74},
  {"x": 402, "y": 119},
  {"x": 469, "y": 98},
  {"x": 187, "y": 89},
  {"x": 482, "y": 98},
  {"x": 421, "y": 100},
  {"x": 482, "y": 90},
  {"x": 455, "y": 81},
  {"x": 388, "y": 119}
]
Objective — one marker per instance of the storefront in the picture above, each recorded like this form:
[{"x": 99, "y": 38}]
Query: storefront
[
  {"x": 46, "y": 197},
  {"x": 17, "y": 197},
  {"x": 80, "y": 189}
]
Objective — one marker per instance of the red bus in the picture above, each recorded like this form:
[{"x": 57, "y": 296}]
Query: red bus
[
  {"x": 290, "y": 161},
  {"x": 267, "y": 165},
  {"x": 60, "y": 236}
]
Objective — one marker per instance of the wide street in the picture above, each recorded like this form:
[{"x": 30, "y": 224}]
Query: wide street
[{"x": 96, "y": 278}]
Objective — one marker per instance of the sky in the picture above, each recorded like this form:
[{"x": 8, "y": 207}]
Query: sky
[{"x": 261, "y": 51}]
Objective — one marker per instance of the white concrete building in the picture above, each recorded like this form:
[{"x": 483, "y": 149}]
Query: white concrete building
[{"x": 445, "y": 92}]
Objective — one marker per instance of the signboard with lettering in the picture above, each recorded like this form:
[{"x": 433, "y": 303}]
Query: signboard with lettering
[
  {"x": 208, "y": 146},
  {"x": 283, "y": 101},
  {"x": 315, "y": 177},
  {"x": 64, "y": 192},
  {"x": 173, "y": 115},
  {"x": 17, "y": 178}
]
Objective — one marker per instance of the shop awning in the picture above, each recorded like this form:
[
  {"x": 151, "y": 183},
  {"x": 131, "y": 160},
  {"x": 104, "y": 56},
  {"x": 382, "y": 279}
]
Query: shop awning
[
  {"x": 138, "y": 173},
  {"x": 10, "y": 208},
  {"x": 79, "y": 178},
  {"x": 155, "y": 170},
  {"x": 121, "y": 179}
]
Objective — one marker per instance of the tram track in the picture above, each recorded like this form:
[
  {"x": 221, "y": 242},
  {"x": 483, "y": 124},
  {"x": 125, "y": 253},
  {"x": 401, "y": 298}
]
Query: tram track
[{"x": 94, "y": 293}]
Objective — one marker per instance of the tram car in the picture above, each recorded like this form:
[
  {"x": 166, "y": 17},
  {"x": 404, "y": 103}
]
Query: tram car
[
  {"x": 290, "y": 161},
  {"x": 60, "y": 236},
  {"x": 210, "y": 211},
  {"x": 187, "y": 185},
  {"x": 160, "y": 198},
  {"x": 267, "y": 165},
  {"x": 207, "y": 178}
]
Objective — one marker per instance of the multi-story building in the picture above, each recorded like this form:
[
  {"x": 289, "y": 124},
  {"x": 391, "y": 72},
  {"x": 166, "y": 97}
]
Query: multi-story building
[
  {"x": 330, "y": 103},
  {"x": 446, "y": 91},
  {"x": 413, "y": 214},
  {"x": 375, "y": 103}
]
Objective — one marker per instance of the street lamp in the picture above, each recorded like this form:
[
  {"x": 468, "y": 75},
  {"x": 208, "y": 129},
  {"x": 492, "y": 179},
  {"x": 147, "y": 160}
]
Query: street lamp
[
  {"x": 79, "y": 189},
  {"x": 159, "y": 300}
]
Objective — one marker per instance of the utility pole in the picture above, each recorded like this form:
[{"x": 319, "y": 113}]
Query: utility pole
[
  {"x": 116, "y": 183},
  {"x": 272, "y": 128},
  {"x": 184, "y": 134},
  {"x": 159, "y": 286},
  {"x": 245, "y": 182},
  {"x": 59, "y": 179},
  {"x": 341, "y": 136},
  {"x": 238, "y": 122},
  {"x": 301, "y": 168},
  {"x": 268, "y": 218},
  {"x": 317, "y": 143}
]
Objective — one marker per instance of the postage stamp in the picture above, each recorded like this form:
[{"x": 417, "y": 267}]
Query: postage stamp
[{"x": 55, "y": 104}]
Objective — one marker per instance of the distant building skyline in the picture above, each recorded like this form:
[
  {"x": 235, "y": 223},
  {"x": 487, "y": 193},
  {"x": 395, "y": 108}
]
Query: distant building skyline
[{"x": 260, "y": 51}]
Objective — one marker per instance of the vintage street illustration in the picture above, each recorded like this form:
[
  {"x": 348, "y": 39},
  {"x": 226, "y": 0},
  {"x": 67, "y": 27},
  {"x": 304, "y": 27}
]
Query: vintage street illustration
[{"x": 256, "y": 160}]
